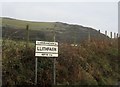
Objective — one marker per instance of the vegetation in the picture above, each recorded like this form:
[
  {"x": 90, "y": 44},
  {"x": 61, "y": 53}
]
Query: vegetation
[
  {"x": 87, "y": 63},
  {"x": 95, "y": 63}
]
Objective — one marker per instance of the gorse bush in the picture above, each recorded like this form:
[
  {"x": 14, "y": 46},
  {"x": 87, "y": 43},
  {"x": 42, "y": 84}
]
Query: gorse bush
[{"x": 95, "y": 63}]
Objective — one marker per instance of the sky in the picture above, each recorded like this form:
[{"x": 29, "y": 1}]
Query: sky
[{"x": 98, "y": 15}]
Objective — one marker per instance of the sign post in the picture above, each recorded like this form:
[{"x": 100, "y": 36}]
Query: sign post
[
  {"x": 54, "y": 71},
  {"x": 46, "y": 49},
  {"x": 36, "y": 71}
]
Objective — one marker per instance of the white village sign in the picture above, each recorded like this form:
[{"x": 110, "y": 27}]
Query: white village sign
[{"x": 46, "y": 49}]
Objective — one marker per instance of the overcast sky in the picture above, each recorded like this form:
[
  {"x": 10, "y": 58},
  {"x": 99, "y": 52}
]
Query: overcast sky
[{"x": 98, "y": 15}]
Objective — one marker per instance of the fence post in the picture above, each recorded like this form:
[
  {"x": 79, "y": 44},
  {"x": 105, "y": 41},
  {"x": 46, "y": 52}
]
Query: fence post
[
  {"x": 89, "y": 38},
  {"x": 114, "y": 35},
  {"x": 117, "y": 35},
  {"x": 106, "y": 33},
  {"x": 111, "y": 35},
  {"x": 99, "y": 35},
  {"x": 99, "y": 31},
  {"x": 27, "y": 36}
]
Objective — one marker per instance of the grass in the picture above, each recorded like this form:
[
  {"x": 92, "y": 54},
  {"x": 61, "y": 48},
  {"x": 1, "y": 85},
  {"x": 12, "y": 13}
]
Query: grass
[{"x": 20, "y": 24}]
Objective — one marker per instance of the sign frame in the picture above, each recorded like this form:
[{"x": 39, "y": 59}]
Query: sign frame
[{"x": 46, "y": 49}]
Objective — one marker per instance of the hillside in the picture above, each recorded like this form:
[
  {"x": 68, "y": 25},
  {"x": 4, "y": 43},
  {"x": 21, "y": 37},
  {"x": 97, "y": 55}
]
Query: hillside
[{"x": 65, "y": 33}]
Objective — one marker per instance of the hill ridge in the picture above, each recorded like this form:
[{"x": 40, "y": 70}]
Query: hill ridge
[{"x": 65, "y": 32}]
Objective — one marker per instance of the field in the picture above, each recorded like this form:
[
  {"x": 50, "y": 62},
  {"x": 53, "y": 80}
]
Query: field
[
  {"x": 93, "y": 63},
  {"x": 21, "y": 24}
]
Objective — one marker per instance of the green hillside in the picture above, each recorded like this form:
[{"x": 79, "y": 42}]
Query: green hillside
[
  {"x": 21, "y": 24},
  {"x": 65, "y": 33}
]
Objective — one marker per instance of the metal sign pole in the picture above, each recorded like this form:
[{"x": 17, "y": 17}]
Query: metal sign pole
[
  {"x": 36, "y": 70},
  {"x": 54, "y": 71},
  {"x": 54, "y": 62}
]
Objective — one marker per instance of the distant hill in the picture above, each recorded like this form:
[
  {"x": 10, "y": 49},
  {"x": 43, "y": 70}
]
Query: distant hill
[{"x": 65, "y": 33}]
